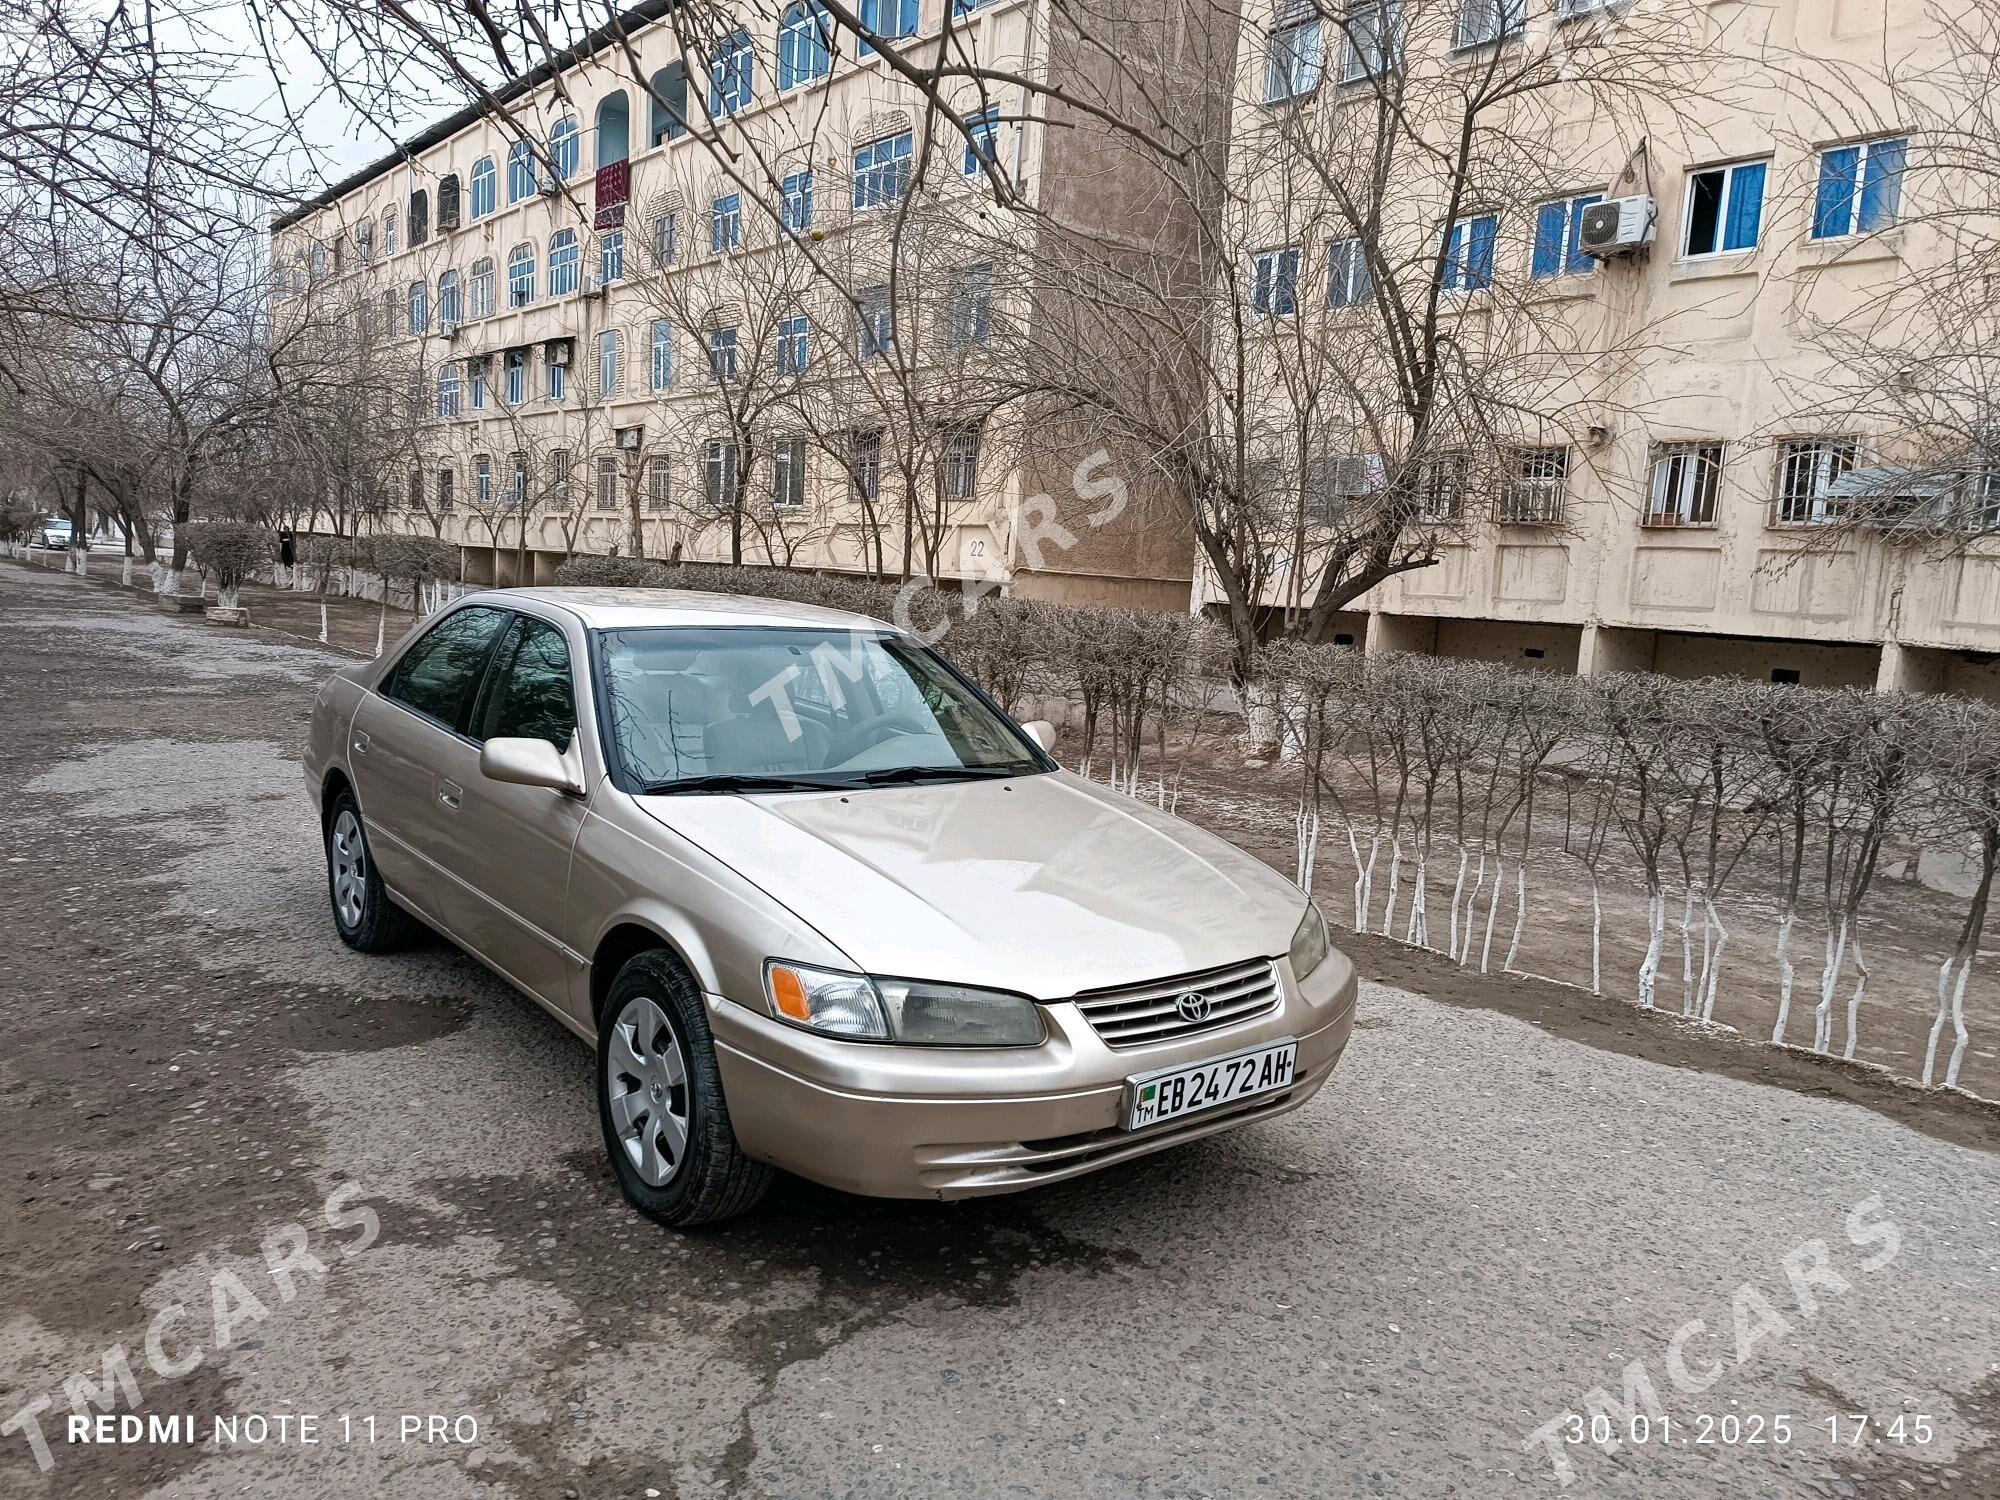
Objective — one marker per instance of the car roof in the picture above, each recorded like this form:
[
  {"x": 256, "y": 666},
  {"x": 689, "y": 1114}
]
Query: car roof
[{"x": 636, "y": 608}]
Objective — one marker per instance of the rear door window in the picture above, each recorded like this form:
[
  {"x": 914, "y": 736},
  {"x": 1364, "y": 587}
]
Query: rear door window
[{"x": 437, "y": 675}]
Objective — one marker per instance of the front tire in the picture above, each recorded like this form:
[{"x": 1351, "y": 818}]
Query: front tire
[
  {"x": 659, "y": 1099},
  {"x": 364, "y": 916}
]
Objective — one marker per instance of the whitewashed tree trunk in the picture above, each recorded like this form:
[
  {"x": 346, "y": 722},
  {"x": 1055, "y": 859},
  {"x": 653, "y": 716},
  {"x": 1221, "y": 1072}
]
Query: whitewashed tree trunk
[
  {"x": 1360, "y": 923},
  {"x": 1492, "y": 906},
  {"x": 322, "y": 622},
  {"x": 382, "y": 626},
  {"x": 1395, "y": 879},
  {"x": 227, "y": 597},
  {"x": 1520, "y": 912},
  {"x": 1457, "y": 893},
  {"x": 1472, "y": 911},
  {"x": 170, "y": 580},
  {"x": 1307, "y": 824},
  {"x": 1787, "y": 973},
  {"x": 1829, "y": 982},
  {"x": 1596, "y": 937},
  {"x": 1712, "y": 963},
  {"x": 125, "y": 577},
  {"x": 1656, "y": 942},
  {"x": 1958, "y": 1023},
  {"x": 1687, "y": 952},
  {"x": 1854, "y": 1000}
]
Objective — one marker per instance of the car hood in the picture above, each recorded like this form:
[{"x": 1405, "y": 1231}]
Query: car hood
[{"x": 1048, "y": 885}]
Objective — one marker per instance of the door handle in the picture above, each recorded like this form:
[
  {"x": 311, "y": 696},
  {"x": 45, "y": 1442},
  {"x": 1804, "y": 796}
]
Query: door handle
[
  {"x": 360, "y": 743},
  {"x": 449, "y": 793}
]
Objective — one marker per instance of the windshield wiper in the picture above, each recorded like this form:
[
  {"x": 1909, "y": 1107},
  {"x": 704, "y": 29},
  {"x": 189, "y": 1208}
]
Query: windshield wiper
[
  {"x": 909, "y": 775},
  {"x": 740, "y": 781}
]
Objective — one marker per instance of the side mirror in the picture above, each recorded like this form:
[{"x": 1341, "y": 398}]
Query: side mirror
[
  {"x": 525, "y": 762},
  {"x": 1042, "y": 732}
]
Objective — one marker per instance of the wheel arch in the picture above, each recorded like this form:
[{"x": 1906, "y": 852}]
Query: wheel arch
[{"x": 620, "y": 944}]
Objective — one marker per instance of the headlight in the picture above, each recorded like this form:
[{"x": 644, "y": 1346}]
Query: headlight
[
  {"x": 1310, "y": 943},
  {"x": 900, "y": 1010}
]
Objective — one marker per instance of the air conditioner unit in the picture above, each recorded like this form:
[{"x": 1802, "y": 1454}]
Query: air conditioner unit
[
  {"x": 550, "y": 188},
  {"x": 559, "y": 353},
  {"x": 1618, "y": 226},
  {"x": 593, "y": 285},
  {"x": 629, "y": 437}
]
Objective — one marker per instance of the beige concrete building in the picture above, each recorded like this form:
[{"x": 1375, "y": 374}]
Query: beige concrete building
[{"x": 1689, "y": 508}]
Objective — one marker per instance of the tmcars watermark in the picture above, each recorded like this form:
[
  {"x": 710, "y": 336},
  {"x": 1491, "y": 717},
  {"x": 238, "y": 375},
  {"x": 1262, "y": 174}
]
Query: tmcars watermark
[
  {"x": 234, "y": 1304},
  {"x": 1696, "y": 1357}
]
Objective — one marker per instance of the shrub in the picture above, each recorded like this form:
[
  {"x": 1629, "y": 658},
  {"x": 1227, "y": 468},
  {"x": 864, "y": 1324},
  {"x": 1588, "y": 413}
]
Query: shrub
[{"x": 231, "y": 550}]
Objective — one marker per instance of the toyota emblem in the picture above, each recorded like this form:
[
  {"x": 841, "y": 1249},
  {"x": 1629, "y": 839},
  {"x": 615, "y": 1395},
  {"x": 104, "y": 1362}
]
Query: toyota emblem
[{"x": 1192, "y": 1007}]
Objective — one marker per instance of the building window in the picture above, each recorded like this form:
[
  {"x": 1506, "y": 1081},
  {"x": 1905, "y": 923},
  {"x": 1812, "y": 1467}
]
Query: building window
[
  {"x": 450, "y": 303},
  {"x": 788, "y": 473},
  {"x": 666, "y": 238},
  {"x": 1725, "y": 209},
  {"x": 520, "y": 276},
  {"x": 1687, "y": 478},
  {"x": 795, "y": 202},
  {"x": 449, "y": 195},
  {"x": 1860, "y": 188},
  {"x": 889, "y": 19},
  {"x": 969, "y": 308},
  {"x": 1335, "y": 481},
  {"x": 565, "y": 150},
  {"x": 663, "y": 354},
  {"x": 659, "y": 485},
  {"x": 607, "y": 364},
  {"x": 1293, "y": 53},
  {"x": 1484, "y": 22},
  {"x": 1441, "y": 488},
  {"x": 364, "y": 243},
  {"x": 881, "y": 170},
  {"x": 732, "y": 76},
  {"x": 389, "y": 232},
  {"x": 725, "y": 223},
  {"x": 668, "y": 116},
  {"x": 607, "y": 483},
  {"x": 876, "y": 330},
  {"x": 565, "y": 263},
  {"x": 958, "y": 462},
  {"x": 982, "y": 141},
  {"x": 794, "y": 344},
  {"x": 555, "y": 372},
  {"x": 559, "y": 478},
  {"x": 420, "y": 217},
  {"x": 520, "y": 172},
  {"x": 718, "y": 475},
  {"x": 1559, "y": 238},
  {"x": 1374, "y": 39},
  {"x": 517, "y": 489},
  {"x": 721, "y": 355},
  {"x": 1274, "y": 285},
  {"x": 485, "y": 187},
  {"x": 1346, "y": 274},
  {"x": 445, "y": 498},
  {"x": 1533, "y": 486},
  {"x": 1807, "y": 469},
  {"x": 611, "y": 256},
  {"x": 514, "y": 371},
  {"x": 1469, "y": 254},
  {"x": 479, "y": 304},
  {"x": 418, "y": 319},
  {"x": 475, "y": 379},
  {"x": 864, "y": 462},
  {"x": 448, "y": 390},
  {"x": 482, "y": 480},
  {"x": 805, "y": 44}
]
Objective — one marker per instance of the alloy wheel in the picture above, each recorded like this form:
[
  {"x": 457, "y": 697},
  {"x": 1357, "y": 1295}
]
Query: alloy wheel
[{"x": 646, "y": 1081}]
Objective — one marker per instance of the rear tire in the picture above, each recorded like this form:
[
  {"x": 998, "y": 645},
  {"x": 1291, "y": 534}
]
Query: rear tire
[
  {"x": 659, "y": 1100},
  {"x": 364, "y": 916}
]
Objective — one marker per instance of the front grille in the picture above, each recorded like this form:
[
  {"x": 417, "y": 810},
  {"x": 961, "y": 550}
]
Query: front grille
[{"x": 1137, "y": 1014}]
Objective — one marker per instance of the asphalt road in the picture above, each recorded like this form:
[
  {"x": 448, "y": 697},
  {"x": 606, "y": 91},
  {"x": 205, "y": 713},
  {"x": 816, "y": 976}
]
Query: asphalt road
[{"x": 1384, "y": 1294}]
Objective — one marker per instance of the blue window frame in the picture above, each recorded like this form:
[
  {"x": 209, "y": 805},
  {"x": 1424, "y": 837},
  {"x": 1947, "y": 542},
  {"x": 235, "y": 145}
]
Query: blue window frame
[
  {"x": 1860, "y": 188},
  {"x": 450, "y": 302},
  {"x": 721, "y": 355},
  {"x": 611, "y": 255},
  {"x": 1347, "y": 283},
  {"x": 876, "y": 330},
  {"x": 1469, "y": 254},
  {"x": 663, "y": 354},
  {"x": 520, "y": 172},
  {"x": 555, "y": 379},
  {"x": 1293, "y": 58},
  {"x": 520, "y": 276},
  {"x": 882, "y": 170},
  {"x": 889, "y": 19},
  {"x": 805, "y": 44},
  {"x": 447, "y": 391},
  {"x": 732, "y": 76},
  {"x": 1559, "y": 238},
  {"x": 1274, "y": 282},
  {"x": 565, "y": 262},
  {"x": 982, "y": 143},
  {"x": 419, "y": 320},
  {"x": 969, "y": 311},
  {"x": 514, "y": 372},
  {"x": 485, "y": 187},
  {"x": 566, "y": 149},
  {"x": 1725, "y": 209},
  {"x": 725, "y": 223},
  {"x": 795, "y": 202},
  {"x": 1374, "y": 39},
  {"x": 794, "y": 344},
  {"x": 475, "y": 380},
  {"x": 608, "y": 363}
]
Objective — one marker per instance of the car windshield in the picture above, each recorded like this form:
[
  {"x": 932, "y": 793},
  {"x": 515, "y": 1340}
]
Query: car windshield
[{"x": 767, "y": 708}]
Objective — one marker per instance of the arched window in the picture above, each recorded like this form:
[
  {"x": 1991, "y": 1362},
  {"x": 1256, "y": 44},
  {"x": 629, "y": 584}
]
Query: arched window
[
  {"x": 614, "y": 129},
  {"x": 669, "y": 90},
  {"x": 447, "y": 392},
  {"x": 732, "y": 76},
  {"x": 485, "y": 187},
  {"x": 449, "y": 195},
  {"x": 450, "y": 303},
  {"x": 420, "y": 217},
  {"x": 479, "y": 304},
  {"x": 565, "y": 149},
  {"x": 564, "y": 260},
  {"x": 805, "y": 50},
  {"x": 298, "y": 273},
  {"x": 419, "y": 308},
  {"x": 521, "y": 276},
  {"x": 319, "y": 262},
  {"x": 389, "y": 232},
  {"x": 520, "y": 172}
]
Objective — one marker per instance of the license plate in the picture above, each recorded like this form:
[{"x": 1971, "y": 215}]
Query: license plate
[{"x": 1172, "y": 1092}]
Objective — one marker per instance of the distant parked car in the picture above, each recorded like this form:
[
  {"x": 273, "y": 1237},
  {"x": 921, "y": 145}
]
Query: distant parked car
[
  {"x": 55, "y": 533},
  {"x": 817, "y": 902}
]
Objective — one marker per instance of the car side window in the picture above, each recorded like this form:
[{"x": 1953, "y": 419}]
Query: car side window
[
  {"x": 437, "y": 674},
  {"x": 529, "y": 693}
]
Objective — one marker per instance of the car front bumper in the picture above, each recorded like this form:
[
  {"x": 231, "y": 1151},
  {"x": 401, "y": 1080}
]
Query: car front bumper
[{"x": 921, "y": 1122}]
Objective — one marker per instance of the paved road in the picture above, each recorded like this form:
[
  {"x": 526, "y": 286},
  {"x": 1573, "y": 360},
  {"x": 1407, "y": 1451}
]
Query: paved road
[{"x": 1384, "y": 1294}]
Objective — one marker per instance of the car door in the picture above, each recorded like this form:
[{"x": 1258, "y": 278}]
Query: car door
[
  {"x": 507, "y": 847},
  {"x": 407, "y": 742}
]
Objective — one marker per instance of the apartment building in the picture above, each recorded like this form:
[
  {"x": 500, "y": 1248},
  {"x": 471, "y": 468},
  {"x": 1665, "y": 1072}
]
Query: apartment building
[
  {"x": 1689, "y": 503},
  {"x": 732, "y": 298}
]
